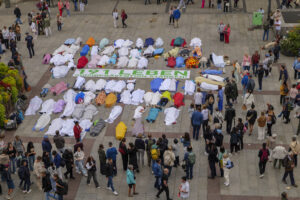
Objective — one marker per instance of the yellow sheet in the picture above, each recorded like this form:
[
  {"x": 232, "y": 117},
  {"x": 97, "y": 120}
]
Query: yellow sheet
[{"x": 201, "y": 79}]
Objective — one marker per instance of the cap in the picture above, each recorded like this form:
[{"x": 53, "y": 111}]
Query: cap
[{"x": 45, "y": 136}]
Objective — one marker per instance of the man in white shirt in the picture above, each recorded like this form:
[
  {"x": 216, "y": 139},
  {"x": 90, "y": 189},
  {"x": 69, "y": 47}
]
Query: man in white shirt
[
  {"x": 198, "y": 98},
  {"x": 277, "y": 25},
  {"x": 5, "y": 33},
  {"x": 184, "y": 189}
]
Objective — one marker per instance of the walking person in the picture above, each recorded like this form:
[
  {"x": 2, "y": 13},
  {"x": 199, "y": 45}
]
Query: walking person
[
  {"x": 289, "y": 164},
  {"x": 261, "y": 126},
  {"x": 229, "y": 117},
  {"x": 295, "y": 148},
  {"x": 266, "y": 27},
  {"x": 6, "y": 175},
  {"x": 221, "y": 27},
  {"x": 102, "y": 159},
  {"x": 123, "y": 17},
  {"x": 109, "y": 176},
  {"x": 176, "y": 15},
  {"x": 130, "y": 179},
  {"x": 69, "y": 160},
  {"x": 190, "y": 159},
  {"x": 59, "y": 142},
  {"x": 171, "y": 16},
  {"x": 196, "y": 120},
  {"x": 278, "y": 154},
  {"x": 164, "y": 184},
  {"x": 18, "y": 14},
  {"x": 25, "y": 174},
  {"x": 184, "y": 189},
  {"x": 225, "y": 5},
  {"x": 59, "y": 22},
  {"x": 79, "y": 158},
  {"x": 67, "y": 6},
  {"x": 212, "y": 159},
  {"x": 263, "y": 155},
  {"x": 227, "y": 165},
  {"x": 47, "y": 26},
  {"x": 29, "y": 41},
  {"x": 77, "y": 131},
  {"x": 115, "y": 16},
  {"x": 124, "y": 153},
  {"x": 251, "y": 117},
  {"x": 91, "y": 168}
]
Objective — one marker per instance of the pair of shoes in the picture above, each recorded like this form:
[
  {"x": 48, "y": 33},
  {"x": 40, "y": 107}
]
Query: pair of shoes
[
  {"x": 115, "y": 193},
  {"x": 24, "y": 191},
  {"x": 135, "y": 193},
  {"x": 29, "y": 191}
]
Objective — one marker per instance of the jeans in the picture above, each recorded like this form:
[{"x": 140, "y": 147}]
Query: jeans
[
  {"x": 157, "y": 182},
  {"x": 27, "y": 184},
  {"x": 280, "y": 161},
  {"x": 18, "y": 20},
  {"x": 60, "y": 197},
  {"x": 12, "y": 165},
  {"x": 92, "y": 174},
  {"x": 262, "y": 166},
  {"x": 219, "y": 6},
  {"x": 228, "y": 126},
  {"x": 75, "y": 6},
  {"x": 254, "y": 68},
  {"x": 266, "y": 33},
  {"x": 48, "y": 194},
  {"x": 260, "y": 83},
  {"x": 110, "y": 183},
  {"x": 59, "y": 26},
  {"x": 31, "y": 52},
  {"x": 171, "y": 19},
  {"x": 79, "y": 166},
  {"x": 166, "y": 189},
  {"x": 189, "y": 171},
  {"x": 31, "y": 160},
  {"x": 140, "y": 156},
  {"x": 204, "y": 126},
  {"x": 196, "y": 129},
  {"x": 53, "y": 184},
  {"x": 291, "y": 173},
  {"x": 68, "y": 12},
  {"x": 246, "y": 68}
]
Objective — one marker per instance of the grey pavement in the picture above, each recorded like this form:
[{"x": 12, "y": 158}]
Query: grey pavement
[{"x": 97, "y": 22}]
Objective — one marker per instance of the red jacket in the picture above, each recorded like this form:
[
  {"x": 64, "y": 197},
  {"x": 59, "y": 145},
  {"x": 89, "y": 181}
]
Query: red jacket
[{"x": 77, "y": 130}]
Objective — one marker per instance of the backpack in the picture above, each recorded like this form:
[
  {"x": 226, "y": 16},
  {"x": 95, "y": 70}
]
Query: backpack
[
  {"x": 273, "y": 119},
  {"x": 285, "y": 161},
  {"x": 231, "y": 165},
  {"x": 286, "y": 90},
  {"x": 192, "y": 158},
  {"x": 65, "y": 188},
  {"x": 264, "y": 156},
  {"x": 126, "y": 16},
  {"x": 171, "y": 62},
  {"x": 21, "y": 173},
  {"x": 154, "y": 154}
]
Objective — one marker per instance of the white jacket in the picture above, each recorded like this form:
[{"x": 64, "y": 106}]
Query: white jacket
[{"x": 279, "y": 152}]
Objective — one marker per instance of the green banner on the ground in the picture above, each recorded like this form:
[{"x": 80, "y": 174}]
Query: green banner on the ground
[
  {"x": 257, "y": 19},
  {"x": 128, "y": 73}
]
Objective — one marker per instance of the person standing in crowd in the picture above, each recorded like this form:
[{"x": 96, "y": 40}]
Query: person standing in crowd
[
  {"x": 181, "y": 4},
  {"x": 206, "y": 115},
  {"x": 60, "y": 6},
  {"x": 18, "y": 14},
  {"x": 91, "y": 168},
  {"x": 157, "y": 171},
  {"x": 171, "y": 16},
  {"x": 295, "y": 148},
  {"x": 276, "y": 51},
  {"x": 293, "y": 93},
  {"x": 25, "y": 174},
  {"x": 164, "y": 184},
  {"x": 5, "y": 33},
  {"x": 236, "y": 71},
  {"x": 221, "y": 153},
  {"x": 18, "y": 144},
  {"x": 130, "y": 179},
  {"x": 31, "y": 155},
  {"x": 284, "y": 90},
  {"x": 112, "y": 153},
  {"x": 278, "y": 154},
  {"x": 263, "y": 155},
  {"x": 190, "y": 159},
  {"x": 212, "y": 159},
  {"x": 175, "y": 148},
  {"x": 289, "y": 164},
  {"x": 77, "y": 131},
  {"x": 18, "y": 32},
  {"x": 79, "y": 158},
  {"x": 176, "y": 15},
  {"x": 47, "y": 26},
  {"x": 59, "y": 142},
  {"x": 229, "y": 117},
  {"x": 283, "y": 76},
  {"x": 198, "y": 97},
  {"x": 12, "y": 153},
  {"x": 255, "y": 61},
  {"x": 109, "y": 175},
  {"x": 228, "y": 92},
  {"x": 197, "y": 120},
  {"x": 29, "y": 41},
  {"x": 251, "y": 118},
  {"x": 219, "y": 4},
  {"x": 67, "y": 6},
  {"x": 115, "y": 16},
  {"x": 221, "y": 27},
  {"x": 102, "y": 159},
  {"x": 169, "y": 159},
  {"x": 38, "y": 169},
  {"x": 296, "y": 65},
  {"x": 59, "y": 22},
  {"x": 123, "y": 17},
  {"x": 277, "y": 25},
  {"x": 46, "y": 146},
  {"x": 266, "y": 27},
  {"x": 149, "y": 142},
  {"x": 132, "y": 156},
  {"x": 227, "y": 165},
  {"x": 124, "y": 153},
  {"x": 234, "y": 140},
  {"x": 6, "y": 176},
  {"x": 58, "y": 163},
  {"x": 220, "y": 98},
  {"x": 47, "y": 187},
  {"x": 184, "y": 189},
  {"x": 210, "y": 100},
  {"x": 59, "y": 187},
  {"x": 246, "y": 62},
  {"x": 261, "y": 125},
  {"x": 227, "y": 31},
  {"x": 260, "y": 74},
  {"x": 140, "y": 146},
  {"x": 69, "y": 160}
]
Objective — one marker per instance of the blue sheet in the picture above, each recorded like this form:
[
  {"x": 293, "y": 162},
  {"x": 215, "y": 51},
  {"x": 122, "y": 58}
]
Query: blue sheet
[
  {"x": 211, "y": 71},
  {"x": 148, "y": 42},
  {"x": 158, "y": 51},
  {"x": 152, "y": 115},
  {"x": 85, "y": 50},
  {"x": 180, "y": 61},
  {"x": 79, "y": 96},
  {"x": 155, "y": 84},
  {"x": 69, "y": 41}
]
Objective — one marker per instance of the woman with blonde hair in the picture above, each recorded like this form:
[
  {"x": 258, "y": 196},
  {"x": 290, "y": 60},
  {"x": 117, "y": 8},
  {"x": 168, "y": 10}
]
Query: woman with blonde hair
[{"x": 236, "y": 71}]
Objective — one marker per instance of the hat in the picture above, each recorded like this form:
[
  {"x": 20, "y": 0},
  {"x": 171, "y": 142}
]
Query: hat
[{"x": 45, "y": 136}]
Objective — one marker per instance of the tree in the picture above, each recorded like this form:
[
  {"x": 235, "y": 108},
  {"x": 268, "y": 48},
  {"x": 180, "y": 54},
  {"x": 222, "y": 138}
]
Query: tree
[{"x": 290, "y": 45}]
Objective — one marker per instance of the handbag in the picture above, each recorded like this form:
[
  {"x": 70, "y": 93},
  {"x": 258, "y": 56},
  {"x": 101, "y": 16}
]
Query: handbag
[{"x": 244, "y": 107}]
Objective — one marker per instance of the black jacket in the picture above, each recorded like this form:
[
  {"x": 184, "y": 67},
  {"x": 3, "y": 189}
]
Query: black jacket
[
  {"x": 234, "y": 138},
  {"x": 109, "y": 171},
  {"x": 68, "y": 157},
  {"x": 46, "y": 183},
  {"x": 229, "y": 114},
  {"x": 260, "y": 73},
  {"x": 26, "y": 173},
  {"x": 17, "y": 12},
  {"x": 139, "y": 143}
]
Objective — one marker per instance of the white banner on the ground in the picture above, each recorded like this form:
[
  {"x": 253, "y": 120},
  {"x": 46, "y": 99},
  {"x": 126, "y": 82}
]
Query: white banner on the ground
[{"x": 131, "y": 73}]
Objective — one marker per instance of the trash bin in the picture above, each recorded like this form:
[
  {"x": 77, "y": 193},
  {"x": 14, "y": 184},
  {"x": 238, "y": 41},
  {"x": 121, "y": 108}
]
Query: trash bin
[{"x": 257, "y": 19}]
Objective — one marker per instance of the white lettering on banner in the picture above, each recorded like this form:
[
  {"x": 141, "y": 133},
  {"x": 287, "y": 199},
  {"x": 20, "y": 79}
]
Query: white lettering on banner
[{"x": 126, "y": 73}]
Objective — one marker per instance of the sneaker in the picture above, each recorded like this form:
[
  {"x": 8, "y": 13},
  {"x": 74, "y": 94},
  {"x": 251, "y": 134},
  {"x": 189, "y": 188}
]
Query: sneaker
[
  {"x": 24, "y": 191},
  {"x": 115, "y": 193},
  {"x": 98, "y": 187},
  {"x": 8, "y": 197},
  {"x": 261, "y": 176},
  {"x": 295, "y": 185},
  {"x": 28, "y": 191},
  {"x": 108, "y": 188}
]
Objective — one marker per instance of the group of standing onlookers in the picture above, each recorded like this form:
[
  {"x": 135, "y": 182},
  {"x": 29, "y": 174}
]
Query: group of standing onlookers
[
  {"x": 115, "y": 16},
  {"x": 224, "y": 32}
]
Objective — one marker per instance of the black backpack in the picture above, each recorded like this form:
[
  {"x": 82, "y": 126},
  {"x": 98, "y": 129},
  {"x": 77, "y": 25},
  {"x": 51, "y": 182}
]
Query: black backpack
[{"x": 65, "y": 188}]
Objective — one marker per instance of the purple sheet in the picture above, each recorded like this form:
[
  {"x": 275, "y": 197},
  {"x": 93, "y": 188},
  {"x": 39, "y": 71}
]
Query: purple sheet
[{"x": 59, "y": 106}]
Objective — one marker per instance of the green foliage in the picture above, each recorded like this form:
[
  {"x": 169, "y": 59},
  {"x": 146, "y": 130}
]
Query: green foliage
[
  {"x": 15, "y": 73},
  {"x": 10, "y": 81},
  {"x": 5, "y": 97},
  {"x": 14, "y": 94},
  {"x": 3, "y": 69},
  {"x": 2, "y": 115},
  {"x": 291, "y": 44}
]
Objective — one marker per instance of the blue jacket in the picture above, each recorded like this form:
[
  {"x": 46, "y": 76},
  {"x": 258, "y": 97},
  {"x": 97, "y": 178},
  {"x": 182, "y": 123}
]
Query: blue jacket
[
  {"x": 111, "y": 153},
  {"x": 197, "y": 118},
  {"x": 57, "y": 160},
  {"x": 46, "y": 146},
  {"x": 130, "y": 177},
  {"x": 245, "y": 80},
  {"x": 176, "y": 14},
  {"x": 156, "y": 168},
  {"x": 296, "y": 65}
]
